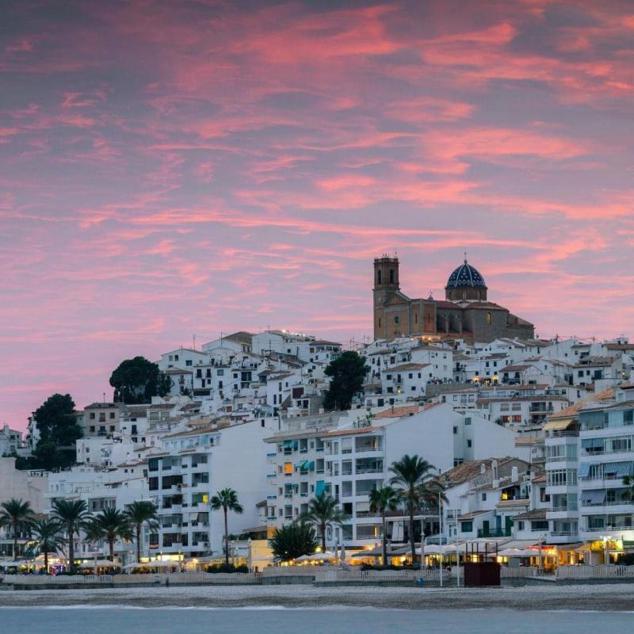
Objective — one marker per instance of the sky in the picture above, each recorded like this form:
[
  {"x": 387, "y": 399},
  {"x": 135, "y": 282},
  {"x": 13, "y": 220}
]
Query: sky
[{"x": 171, "y": 169}]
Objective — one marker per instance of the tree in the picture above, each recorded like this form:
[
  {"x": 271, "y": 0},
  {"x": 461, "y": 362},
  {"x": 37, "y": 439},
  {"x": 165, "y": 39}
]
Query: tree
[
  {"x": 347, "y": 373},
  {"x": 227, "y": 500},
  {"x": 411, "y": 474},
  {"x": 56, "y": 422},
  {"x": 293, "y": 540},
  {"x": 111, "y": 524},
  {"x": 138, "y": 514},
  {"x": 138, "y": 380},
  {"x": 382, "y": 500},
  {"x": 322, "y": 513},
  {"x": 73, "y": 516},
  {"x": 46, "y": 532},
  {"x": 18, "y": 515}
]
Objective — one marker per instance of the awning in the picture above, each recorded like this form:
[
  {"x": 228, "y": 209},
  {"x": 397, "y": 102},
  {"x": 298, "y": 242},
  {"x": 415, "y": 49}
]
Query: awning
[
  {"x": 618, "y": 469},
  {"x": 558, "y": 425},
  {"x": 518, "y": 553},
  {"x": 584, "y": 470},
  {"x": 320, "y": 487},
  {"x": 98, "y": 563},
  {"x": 521, "y": 544},
  {"x": 592, "y": 443},
  {"x": 588, "y": 498}
]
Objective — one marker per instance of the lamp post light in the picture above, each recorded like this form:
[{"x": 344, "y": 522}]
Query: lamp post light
[{"x": 440, "y": 535}]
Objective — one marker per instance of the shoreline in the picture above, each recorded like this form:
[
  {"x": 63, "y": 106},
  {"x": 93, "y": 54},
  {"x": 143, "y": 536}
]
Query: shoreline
[{"x": 599, "y": 598}]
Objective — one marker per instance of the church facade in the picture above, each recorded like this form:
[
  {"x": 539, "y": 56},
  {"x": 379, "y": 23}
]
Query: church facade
[{"x": 466, "y": 313}]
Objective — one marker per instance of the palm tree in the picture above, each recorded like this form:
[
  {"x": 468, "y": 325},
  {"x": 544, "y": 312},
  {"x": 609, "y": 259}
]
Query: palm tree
[
  {"x": 138, "y": 514},
  {"x": 382, "y": 500},
  {"x": 18, "y": 515},
  {"x": 227, "y": 500},
  {"x": 293, "y": 540},
  {"x": 322, "y": 513},
  {"x": 46, "y": 533},
  {"x": 111, "y": 524},
  {"x": 411, "y": 475},
  {"x": 72, "y": 514}
]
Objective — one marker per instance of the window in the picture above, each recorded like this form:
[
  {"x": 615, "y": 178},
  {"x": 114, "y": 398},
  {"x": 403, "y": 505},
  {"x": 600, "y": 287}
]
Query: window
[
  {"x": 396, "y": 319},
  {"x": 469, "y": 443},
  {"x": 484, "y": 497}
]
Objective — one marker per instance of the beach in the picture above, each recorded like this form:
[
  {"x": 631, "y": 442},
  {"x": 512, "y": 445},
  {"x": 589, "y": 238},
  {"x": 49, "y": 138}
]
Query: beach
[{"x": 604, "y": 597}]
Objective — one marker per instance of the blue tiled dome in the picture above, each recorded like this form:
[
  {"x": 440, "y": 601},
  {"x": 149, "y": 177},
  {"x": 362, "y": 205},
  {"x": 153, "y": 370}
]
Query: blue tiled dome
[{"x": 466, "y": 276}]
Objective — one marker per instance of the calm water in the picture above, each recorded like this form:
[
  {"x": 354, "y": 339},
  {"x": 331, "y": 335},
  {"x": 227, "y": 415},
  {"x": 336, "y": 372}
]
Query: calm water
[{"x": 327, "y": 621}]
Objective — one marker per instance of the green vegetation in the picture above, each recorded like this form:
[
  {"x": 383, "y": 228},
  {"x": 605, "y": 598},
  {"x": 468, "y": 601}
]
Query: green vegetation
[
  {"x": 293, "y": 540},
  {"x": 46, "y": 533},
  {"x": 137, "y": 381},
  {"x": 322, "y": 513},
  {"x": 73, "y": 516},
  {"x": 17, "y": 515},
  {"x": 56, "y": 421},
  {"x": 382, "y": 500},
  {"x": 227, "y": 500},
  {"x": 416, "y": 484},
  {"x": 138, "y": 514},
  {"x": 347, "y": 373},
  {"x": 111, "y": 525},
  {"x": 215, "y": 568}
]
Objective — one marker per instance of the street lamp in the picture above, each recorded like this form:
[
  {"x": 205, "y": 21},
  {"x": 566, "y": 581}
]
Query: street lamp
[{"x": 440, "y": 534}]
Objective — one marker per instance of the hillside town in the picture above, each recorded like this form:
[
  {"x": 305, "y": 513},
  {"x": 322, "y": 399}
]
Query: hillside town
[{"x": 530, "y": 443}]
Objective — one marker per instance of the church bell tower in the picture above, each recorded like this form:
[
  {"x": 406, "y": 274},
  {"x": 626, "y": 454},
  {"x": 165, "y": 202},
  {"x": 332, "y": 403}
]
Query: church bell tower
[{"x": 386, "y": 284}]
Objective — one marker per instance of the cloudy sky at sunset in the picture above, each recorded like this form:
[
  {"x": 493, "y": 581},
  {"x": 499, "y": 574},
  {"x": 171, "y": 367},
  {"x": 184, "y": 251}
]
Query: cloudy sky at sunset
[{"x": 170, "y": 168}]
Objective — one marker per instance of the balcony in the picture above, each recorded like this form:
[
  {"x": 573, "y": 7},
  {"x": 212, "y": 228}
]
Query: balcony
[{"x": 482, "y": 532}]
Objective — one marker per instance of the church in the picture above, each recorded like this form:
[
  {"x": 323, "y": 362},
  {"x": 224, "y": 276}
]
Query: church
[{"x": 466, "y": 313}]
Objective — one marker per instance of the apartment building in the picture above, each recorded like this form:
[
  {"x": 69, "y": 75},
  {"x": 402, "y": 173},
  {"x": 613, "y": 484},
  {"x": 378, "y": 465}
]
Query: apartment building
[
  {"x": 606, "y": 457},
  {"x": 194, "y": 465},
  {"x": 100, "y": 419},
  {"x": 351, "y": 456},
  {"x": 561, "y": 441}
]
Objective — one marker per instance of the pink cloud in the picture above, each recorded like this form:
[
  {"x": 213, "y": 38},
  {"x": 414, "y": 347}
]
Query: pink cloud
[{"x": 170, "y": 168}]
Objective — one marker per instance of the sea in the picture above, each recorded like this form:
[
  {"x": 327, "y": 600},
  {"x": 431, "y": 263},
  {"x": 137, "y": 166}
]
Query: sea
[{"x": 331, "y": 620}]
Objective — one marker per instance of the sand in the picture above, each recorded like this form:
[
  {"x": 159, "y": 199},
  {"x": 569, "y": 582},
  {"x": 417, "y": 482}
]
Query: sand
[{"x": 570, "y": 597}]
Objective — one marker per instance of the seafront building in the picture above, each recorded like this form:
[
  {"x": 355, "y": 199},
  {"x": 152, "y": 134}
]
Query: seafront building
[
  {"x": 349, "y": 456},
  {"x": 530, "y": 436}
]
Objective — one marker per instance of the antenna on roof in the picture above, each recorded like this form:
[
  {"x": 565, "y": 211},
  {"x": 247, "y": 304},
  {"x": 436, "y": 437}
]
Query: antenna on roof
[{"x": 465, "y": 256}]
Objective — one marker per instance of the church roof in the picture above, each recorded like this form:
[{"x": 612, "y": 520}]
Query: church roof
[{"x": 466, "y": 276}]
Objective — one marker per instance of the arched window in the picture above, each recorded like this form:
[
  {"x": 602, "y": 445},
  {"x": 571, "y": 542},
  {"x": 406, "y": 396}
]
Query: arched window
[
  {"x": 489, "y": 318},
  {"x": 378, "y": 276},
  {"x": 391, "y": 276}
]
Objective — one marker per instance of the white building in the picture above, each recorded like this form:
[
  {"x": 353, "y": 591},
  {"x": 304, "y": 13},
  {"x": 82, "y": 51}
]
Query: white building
[
  {"x": 351, "y": 456},
  {"x": 194, "y": 466}
]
